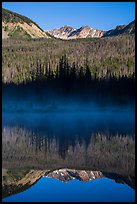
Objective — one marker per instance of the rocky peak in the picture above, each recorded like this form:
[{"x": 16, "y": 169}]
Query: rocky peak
[
  {"x": 62, "y": 32},
  {"x": 66, "y": 175},
  {"x": 84, "y": 28},
  {"x": 66, "y": 29},
  {"x": 86, "y": 32},
  {"x": 67, "y": 32},
  {"x": 119, "y": 27},
  {"x": 130, "y": 28}
]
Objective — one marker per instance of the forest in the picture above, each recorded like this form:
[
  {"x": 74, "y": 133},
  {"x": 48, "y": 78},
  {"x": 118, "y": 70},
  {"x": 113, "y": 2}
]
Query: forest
[
  {"x": 27, "y": 60},
  {"x": 94, "y": 68}
]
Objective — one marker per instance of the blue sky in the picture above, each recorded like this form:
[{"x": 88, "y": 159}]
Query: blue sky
[{"x": 100, "y": 15}]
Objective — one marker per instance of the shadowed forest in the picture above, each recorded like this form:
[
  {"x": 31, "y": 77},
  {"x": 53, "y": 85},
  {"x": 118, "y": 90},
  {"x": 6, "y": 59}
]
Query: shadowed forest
[{"x": 101, "y": 70}]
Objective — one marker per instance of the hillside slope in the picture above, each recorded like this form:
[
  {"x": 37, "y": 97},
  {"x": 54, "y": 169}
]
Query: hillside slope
[
  {"x": 16, "y": 25},
  {"x": 123, "y": 29}
]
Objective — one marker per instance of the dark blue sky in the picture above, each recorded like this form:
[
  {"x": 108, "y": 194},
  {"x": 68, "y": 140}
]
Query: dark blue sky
[{"x": 100, "y": 15}]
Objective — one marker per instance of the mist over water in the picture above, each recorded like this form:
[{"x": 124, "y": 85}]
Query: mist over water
[
  {"x": 66, "y": 119},
  {"x": 38, "y": 99},
  {"x": 73, "y": 121},
  {"x": 48, "y": 132},
  {"x": 61, "y": 114}
]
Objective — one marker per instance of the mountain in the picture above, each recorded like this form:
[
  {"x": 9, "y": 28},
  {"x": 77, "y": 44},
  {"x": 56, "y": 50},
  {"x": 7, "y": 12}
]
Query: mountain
[
  {"x": 130, "y": 28},
  {"x": 67, "y": 175},
  {"x": 62, "y": 32},
  {"x": 15, "y": 181},
  {"x": 16, "y": 25},
  {"x": 67, "y": 32},
  {"x": 122, "y": 29},
  {"x": 86, "y": 32}
]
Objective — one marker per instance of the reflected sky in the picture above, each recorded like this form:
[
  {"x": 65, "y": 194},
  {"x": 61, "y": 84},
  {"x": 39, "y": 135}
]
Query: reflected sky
[{"x": 99, "y": 190}]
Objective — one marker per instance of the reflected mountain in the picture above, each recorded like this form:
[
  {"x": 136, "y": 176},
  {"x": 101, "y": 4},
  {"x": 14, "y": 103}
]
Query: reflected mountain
[
  {"x": 65, "y": 147},
  {"x": 17, "y": 181}
]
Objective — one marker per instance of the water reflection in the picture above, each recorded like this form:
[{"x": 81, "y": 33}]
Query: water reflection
[
  {"x": 97, "y": 190},
  {"x": 25, "y": 148},
  {"x": 34, "y": 145}
]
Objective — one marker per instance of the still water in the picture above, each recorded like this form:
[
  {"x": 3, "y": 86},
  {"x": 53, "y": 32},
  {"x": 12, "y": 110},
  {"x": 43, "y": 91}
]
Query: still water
[
  {"x": 68, "y": 155},
  {"x": 99, "y": 190}
]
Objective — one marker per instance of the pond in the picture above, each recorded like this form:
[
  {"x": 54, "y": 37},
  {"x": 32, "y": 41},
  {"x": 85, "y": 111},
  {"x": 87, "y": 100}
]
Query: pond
[{"x": 68, "y": 155}]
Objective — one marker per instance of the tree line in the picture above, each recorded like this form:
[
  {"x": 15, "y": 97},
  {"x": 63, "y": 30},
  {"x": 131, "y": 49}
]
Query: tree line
[
  {"x": 70, "y": 81},
  {"x": 23, "y": 60}
]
